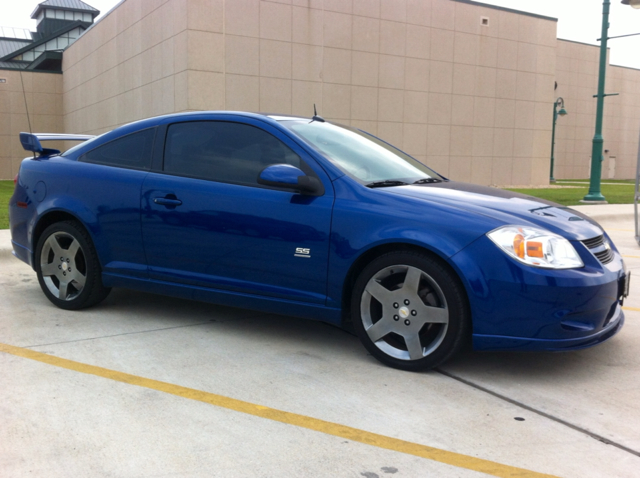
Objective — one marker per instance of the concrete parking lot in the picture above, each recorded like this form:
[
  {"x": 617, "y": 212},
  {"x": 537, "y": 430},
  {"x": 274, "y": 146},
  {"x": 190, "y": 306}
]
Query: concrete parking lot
[{"x": 151, "y": 386}]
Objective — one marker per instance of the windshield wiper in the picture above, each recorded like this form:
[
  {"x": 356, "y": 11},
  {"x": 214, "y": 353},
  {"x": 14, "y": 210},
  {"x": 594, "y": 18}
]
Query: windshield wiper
[
  {"x": 386, "y": 183},
  {"x": 427, "y": 181}
]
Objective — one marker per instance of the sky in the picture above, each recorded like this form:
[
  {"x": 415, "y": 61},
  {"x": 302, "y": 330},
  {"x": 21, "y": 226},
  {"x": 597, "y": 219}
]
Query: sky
[{"x": 578, "y": 20}]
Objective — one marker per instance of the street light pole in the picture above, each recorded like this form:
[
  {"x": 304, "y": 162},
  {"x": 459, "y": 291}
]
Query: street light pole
[
  {"x": 594, "y": 195},
  {"x": 559, "y": 102}
]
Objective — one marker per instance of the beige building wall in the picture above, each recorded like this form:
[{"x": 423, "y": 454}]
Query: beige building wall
[
  {"x": 126, "y": 67},
  {"x": 621, "y": 123},
  {"x": 38, "y": 93},
  {"x": 467, "y": 89},
  {"x": 468, "y": 99},
  {"x": 577, "y": 77}
]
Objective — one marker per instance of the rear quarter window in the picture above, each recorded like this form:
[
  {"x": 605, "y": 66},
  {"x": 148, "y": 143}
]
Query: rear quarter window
[{"x": 132, "y": 151}]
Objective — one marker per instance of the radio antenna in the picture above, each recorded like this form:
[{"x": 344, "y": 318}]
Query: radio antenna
[
  {"x": 26, "y": 107},
  {"x": 315, "y": 116}
]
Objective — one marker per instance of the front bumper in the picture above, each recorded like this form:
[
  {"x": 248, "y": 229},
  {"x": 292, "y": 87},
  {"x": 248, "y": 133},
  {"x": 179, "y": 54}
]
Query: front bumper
[
  {"x": 518, "y": 307},
  {"x": 497, "y": 342}
]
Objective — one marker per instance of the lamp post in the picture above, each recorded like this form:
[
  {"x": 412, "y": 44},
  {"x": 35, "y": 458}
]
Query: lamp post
[
  {"x": 594, "y": 195},
  {"x": 559, "y": 102}
]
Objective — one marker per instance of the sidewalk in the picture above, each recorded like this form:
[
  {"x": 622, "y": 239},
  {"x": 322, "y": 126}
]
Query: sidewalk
[
  {"x": 599, "y": 212},
  {"x": 608, "y": 212}
]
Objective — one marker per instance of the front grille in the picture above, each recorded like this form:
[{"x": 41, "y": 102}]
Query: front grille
[
  {"x": 600, "y": 248},
  {"x": 594, "y": 242},
  {"x": 605, "y": 256}
]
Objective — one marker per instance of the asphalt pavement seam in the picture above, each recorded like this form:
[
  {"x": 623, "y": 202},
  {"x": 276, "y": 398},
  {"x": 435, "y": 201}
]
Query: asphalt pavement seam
[
  {"x": 600, "y": 438},
  {"x": 116, "y": 335},
  {"x": 139, "y": 332}
]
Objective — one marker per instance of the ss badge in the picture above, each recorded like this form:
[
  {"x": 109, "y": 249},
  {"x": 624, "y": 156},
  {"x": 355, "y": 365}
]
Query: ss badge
[{"x": 302, "y": 252}]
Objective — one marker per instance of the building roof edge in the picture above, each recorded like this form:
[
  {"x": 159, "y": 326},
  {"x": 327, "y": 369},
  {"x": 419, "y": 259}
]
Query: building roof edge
[{"x": 505, "y": 9}]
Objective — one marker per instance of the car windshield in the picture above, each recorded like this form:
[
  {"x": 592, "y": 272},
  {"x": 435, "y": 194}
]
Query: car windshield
[{"x": 361, "y": 155}]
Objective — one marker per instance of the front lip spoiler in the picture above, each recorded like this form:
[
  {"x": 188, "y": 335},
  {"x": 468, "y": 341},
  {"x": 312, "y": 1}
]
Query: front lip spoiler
[{"x": 498, "y": 342}]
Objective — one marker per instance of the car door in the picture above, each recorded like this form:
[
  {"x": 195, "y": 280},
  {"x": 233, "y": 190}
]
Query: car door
[{"x": 206, "y": 221}]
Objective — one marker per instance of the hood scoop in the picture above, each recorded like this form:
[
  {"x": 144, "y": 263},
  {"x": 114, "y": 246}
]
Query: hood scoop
[{"x": 552, "y": 211}]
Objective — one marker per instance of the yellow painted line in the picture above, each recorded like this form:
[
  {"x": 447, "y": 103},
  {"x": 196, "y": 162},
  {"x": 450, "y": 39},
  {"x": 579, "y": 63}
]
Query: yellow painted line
[
  {"x": 635, "y": 309},
  {"x": 631, "y": 257},
  {"x": 354, "y": 434}
]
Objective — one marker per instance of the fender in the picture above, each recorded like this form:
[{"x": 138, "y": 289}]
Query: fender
[
  {"x": 384, "y": 218},
  {"x": 106, "y": 200}
]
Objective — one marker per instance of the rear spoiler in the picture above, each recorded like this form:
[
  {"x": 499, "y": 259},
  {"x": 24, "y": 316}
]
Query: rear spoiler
[{"x": 31, "y": 141}]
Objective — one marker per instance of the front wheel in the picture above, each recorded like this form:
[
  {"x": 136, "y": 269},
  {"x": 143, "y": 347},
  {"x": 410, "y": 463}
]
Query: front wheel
[
  {"x": 68, "y": 268},
  {"x": 410, "y": 311}
]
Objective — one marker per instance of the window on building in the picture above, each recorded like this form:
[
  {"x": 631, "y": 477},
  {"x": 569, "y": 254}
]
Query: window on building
[
  {"x": 132, "y": 151},
  {"x": 224, "y": 151}
]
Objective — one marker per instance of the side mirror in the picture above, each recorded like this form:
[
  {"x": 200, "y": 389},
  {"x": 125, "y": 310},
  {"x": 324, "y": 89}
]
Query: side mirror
[{"x": 290, "y": 177}]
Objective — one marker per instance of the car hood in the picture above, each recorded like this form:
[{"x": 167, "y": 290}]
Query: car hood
[{"x": 506, "y": 206}]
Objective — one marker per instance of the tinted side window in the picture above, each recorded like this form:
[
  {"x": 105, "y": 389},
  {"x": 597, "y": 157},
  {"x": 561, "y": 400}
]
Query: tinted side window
[
  {"x": 223, "y": 151},
  {"x": 131, "y": 151}
]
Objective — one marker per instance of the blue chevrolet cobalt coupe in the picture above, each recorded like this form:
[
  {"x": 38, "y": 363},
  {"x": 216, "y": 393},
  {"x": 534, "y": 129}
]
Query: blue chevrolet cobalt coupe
[{"x": 304, "y": 217}]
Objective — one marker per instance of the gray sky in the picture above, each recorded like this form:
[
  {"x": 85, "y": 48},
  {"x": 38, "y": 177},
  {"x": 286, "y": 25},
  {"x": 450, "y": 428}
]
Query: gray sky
[{"x": 578, "y": 20}]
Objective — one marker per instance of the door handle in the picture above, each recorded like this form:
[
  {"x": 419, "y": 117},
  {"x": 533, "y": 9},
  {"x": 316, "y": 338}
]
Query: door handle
[{"x": 169, "y": 202}]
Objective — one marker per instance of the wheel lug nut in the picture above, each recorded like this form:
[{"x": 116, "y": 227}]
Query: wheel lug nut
[
  {"x": 406, "y": 302},
  {"x": 395, "y": 317},
  {"x": 59, "y": 267},
  {"x": 413, "y": 312},
  {"x": 62, "y": 259},
  {"x": 407, "y": 322},
  {"x": 64, "y": 273},
  {"x": 395, "y": 305}
]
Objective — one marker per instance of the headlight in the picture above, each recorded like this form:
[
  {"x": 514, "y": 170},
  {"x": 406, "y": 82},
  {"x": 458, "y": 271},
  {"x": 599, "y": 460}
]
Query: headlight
[{"x": 536, "y": 247}]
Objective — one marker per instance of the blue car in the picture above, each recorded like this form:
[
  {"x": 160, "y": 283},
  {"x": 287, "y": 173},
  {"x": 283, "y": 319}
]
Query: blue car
[{"x": 303, "y": 217}]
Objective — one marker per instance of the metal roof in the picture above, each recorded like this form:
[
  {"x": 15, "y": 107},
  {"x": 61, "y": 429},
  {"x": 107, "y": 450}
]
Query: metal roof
[
  {"x": 75, "y": 5},
  {"x": 9, "y": 46},
  {"x": 16, "y": 33},
  {"x": 28, "y": 46},
  {"x": 14, "y": 65}
]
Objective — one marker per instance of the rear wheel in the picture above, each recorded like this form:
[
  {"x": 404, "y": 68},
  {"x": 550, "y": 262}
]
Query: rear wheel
[
  {"x": 68, "y": 268},
  {"x": 410, "y": 311}
]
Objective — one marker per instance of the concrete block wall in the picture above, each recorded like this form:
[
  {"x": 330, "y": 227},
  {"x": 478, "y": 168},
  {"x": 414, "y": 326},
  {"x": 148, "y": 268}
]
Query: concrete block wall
[
  {"x": 466, "y": 88},
  {"x": 126, "y": 66},
  {"x": 577, "y": 78},
  {"x": 622, "y": 123},
  {"x": 39, "y": 94},
  {"x": 426, "y": 75}
]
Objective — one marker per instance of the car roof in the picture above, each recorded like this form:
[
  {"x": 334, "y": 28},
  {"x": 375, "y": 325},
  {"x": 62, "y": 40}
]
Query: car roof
[{"x": 164, "y": 119}]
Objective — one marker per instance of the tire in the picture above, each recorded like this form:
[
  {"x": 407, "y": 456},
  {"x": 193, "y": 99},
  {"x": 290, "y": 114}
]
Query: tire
[
  {"x": 68, "y": 268},
  {"x": 410, "y": 311}
]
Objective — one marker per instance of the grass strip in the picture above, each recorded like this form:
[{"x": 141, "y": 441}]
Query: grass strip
[{"x": 620, "y": 193}]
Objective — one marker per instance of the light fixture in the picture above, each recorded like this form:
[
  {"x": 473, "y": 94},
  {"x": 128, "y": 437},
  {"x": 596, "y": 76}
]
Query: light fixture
[
  {"x": 559, "y": 103},
  {"x": 633, "y": 3}
]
